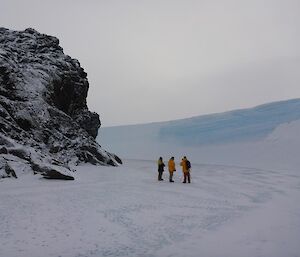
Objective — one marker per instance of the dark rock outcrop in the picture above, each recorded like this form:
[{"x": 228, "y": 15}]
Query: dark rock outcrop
[{"x": 43, "y": 110}]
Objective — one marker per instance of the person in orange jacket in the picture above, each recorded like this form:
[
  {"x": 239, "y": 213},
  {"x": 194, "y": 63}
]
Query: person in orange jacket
[
  {"x": 186, "y": 166},
  {"x": 172, "y": 168}
]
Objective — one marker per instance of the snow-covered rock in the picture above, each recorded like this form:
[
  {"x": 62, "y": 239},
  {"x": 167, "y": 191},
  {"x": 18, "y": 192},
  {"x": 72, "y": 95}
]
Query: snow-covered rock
[{"x": 43, "y": 110}]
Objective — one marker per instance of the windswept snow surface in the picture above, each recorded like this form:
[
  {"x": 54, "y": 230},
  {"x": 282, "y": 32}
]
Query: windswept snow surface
[{"x": 226, "y": 211}]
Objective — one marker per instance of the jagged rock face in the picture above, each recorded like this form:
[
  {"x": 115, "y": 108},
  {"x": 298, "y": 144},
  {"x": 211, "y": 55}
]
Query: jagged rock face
[{"x": 43, "y": 103}]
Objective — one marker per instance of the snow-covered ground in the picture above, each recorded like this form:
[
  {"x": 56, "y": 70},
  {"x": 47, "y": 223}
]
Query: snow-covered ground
[
  {"x": 226, "y": 211},
  {"x": 245, "y": 203}
]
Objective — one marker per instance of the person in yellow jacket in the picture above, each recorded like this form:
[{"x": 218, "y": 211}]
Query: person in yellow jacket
[
  {"x": 185, "y": 163},
  {"x": 172, "y": 168}
]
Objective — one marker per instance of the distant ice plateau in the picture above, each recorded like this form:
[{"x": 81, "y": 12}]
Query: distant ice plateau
[{"x": 266, "y": 136}]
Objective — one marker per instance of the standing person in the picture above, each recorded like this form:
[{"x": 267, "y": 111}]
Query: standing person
[
  {"x": 161, "y": 166},
  {"x": 186, "y": 166},
  {"x": 172, "y": 169}
]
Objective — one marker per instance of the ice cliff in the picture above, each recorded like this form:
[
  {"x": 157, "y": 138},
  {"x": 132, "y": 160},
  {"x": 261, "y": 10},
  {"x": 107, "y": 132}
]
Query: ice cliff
[
  {"x": 45, "y": 124},
  {"x": 265, "y": 136}
]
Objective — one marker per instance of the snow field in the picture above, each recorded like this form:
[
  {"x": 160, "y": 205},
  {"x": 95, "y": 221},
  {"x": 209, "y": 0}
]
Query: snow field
[{"x": 125, "y": 211}]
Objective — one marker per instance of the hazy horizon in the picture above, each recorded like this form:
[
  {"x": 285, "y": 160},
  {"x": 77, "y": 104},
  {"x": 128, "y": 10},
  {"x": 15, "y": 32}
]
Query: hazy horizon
[{"x": 201, "y": 115}]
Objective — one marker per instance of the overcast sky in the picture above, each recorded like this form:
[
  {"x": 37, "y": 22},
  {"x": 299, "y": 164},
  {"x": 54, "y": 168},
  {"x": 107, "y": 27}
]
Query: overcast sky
[{"x": 157, "y": 60}]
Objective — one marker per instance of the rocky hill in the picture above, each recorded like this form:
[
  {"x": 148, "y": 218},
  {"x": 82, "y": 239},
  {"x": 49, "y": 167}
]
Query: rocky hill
[{"x": 45, "y": 124}]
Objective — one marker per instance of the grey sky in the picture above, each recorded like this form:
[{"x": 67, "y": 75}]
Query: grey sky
[{"x": 155, "y": 60}]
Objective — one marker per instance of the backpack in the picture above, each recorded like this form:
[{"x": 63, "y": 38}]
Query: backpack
[{"x": 188, "y": 164}]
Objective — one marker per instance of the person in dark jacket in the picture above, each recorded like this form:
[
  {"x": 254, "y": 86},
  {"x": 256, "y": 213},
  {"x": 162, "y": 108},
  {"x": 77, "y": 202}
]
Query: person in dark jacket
[{"x": 161, "y": 167}]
